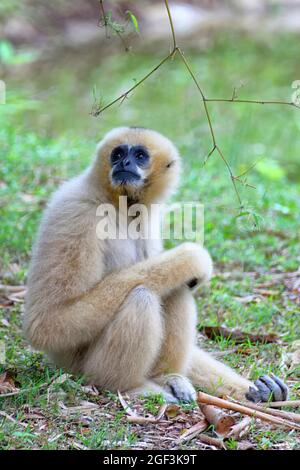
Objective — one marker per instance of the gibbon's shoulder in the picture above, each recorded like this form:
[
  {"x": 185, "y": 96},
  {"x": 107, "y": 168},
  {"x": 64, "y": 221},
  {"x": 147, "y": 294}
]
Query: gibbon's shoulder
[{"x": 75, "y": 200}]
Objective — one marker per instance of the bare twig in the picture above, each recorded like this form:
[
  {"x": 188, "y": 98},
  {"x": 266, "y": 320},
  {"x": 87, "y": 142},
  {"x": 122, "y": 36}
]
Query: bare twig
[
  {"x": 124, "y": 95},
  {"x": 240, "y": 429},
  {"x": 212, "y": 441},
  {"x": 295, "y": 417},
  {"x": 234, "y": 100},
  {"x": 193, "y": 432},
  {"x": 279, "y": 404},
  {"x": 215, "y": 147},
  {"x": 204, "y": 398},
  {"x": 12, "y": 289}
]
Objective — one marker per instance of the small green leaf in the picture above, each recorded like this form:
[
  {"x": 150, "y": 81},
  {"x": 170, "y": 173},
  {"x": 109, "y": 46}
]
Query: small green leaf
[{"x": 134, "y": 20}]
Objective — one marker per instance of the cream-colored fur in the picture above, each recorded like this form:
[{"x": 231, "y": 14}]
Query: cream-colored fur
[{"x": 120, "y": 311}]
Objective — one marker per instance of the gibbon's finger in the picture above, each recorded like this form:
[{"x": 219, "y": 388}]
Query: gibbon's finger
[
  {"x": 273, "y": 386},
  {"x": 181, "y": 388},
  {"x": 283, "y": 386},
  {"x": 264, "y": 391},
  {"x": 253, "y": 395}
]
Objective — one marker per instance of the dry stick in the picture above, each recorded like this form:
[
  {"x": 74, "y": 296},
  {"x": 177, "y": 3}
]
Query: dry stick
[
  {"x": 240, "y": 429},
  {"x": 11, "y": 289},
  {"x": 204, "y": 398},
  {"x": 211, "y": 441},
  {"x": 221, "y": 422},
  {"x": 124, "y": 95},
  {"x": 279, "y": 404},
  {"x": 221, "y": 100},
  {"x": 193, "y": 432},
  {"x": 295, "y": 417}
]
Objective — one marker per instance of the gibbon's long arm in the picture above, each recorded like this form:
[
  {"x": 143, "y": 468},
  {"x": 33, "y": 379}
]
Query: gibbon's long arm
[{"x": 78, "y": 320}]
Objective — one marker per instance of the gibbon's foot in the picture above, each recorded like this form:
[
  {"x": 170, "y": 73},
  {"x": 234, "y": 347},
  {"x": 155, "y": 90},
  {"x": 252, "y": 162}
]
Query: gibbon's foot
[
  {"x": 268, "y": 389},
  {"x": 180, "y": 387},
  {"x": 152, "y": 388}
]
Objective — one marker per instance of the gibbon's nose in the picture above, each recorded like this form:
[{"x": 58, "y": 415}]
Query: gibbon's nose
[{"x": 128, "y": 164}]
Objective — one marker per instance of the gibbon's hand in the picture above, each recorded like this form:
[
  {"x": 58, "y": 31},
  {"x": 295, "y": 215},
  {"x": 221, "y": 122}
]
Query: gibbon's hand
[
  {"x": 268, "y": 389},
  {"x": 199, "y": 261}
]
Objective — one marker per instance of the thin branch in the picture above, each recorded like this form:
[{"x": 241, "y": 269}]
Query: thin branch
[
  {"x": 126, "y": 93},
  {"x": 231, "y": 176},
  {"x": 171, "y": 25},
  {"x": 295, "y": 417},
  {"x": 234, "y": 100},
  {"x": 204, "y": 398}
]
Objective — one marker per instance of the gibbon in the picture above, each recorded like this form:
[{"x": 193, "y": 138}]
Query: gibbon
[{"x": 121, "y": 311}]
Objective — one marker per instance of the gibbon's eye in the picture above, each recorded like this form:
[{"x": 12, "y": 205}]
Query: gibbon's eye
[
  {"x": 141, "y": 155},
  {"x": 170, "y": 164},
  {"x": 118, "y": 153}
]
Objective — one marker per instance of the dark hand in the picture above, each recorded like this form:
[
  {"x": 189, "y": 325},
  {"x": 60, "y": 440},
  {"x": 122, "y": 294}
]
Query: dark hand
[{"x": 268, "y": 389}]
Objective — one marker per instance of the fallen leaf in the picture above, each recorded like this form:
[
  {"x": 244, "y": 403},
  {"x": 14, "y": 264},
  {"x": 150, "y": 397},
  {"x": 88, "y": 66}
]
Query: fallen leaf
[
  {"x": 7, "y": 383},
  {"x": 172, "y": 411}
]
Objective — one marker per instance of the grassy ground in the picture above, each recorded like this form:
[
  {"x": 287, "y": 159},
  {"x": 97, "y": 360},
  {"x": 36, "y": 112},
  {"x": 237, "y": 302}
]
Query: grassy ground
[{"x": 47, "y": 135}]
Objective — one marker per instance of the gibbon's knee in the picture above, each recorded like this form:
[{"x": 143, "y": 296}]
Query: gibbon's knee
[{"x": 124, "y": 354}]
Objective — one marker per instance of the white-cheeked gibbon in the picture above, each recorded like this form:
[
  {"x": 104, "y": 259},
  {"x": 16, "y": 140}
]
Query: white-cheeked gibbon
[{"x": 121, "y": 312}]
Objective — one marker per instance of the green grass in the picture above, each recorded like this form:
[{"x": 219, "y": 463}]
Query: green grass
[{"x": 47, "y": 135}]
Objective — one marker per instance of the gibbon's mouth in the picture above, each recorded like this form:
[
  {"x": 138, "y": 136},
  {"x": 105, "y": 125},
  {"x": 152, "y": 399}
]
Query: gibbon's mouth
[{"x": 125, "y": 177}]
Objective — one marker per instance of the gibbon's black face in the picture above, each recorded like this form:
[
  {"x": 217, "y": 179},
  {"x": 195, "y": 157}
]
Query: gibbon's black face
[{"x": 128, "y": 163}]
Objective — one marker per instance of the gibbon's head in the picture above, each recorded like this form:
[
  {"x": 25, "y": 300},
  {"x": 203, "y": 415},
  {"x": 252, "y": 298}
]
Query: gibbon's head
[{"x": 138, "y": 163}]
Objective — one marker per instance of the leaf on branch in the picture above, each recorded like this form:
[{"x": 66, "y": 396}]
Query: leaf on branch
[{"x": 134, "y": 20}]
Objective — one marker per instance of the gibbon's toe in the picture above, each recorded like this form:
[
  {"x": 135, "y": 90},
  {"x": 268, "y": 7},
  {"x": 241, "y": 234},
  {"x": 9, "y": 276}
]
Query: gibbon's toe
[
  {"x": 268, "y": 389},
  {"x": 181, "y": 388}
]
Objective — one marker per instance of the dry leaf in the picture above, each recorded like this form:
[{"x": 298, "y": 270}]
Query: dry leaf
[
  {"x": 7, "y": 383},
  {"x": 172, "y": 411}
]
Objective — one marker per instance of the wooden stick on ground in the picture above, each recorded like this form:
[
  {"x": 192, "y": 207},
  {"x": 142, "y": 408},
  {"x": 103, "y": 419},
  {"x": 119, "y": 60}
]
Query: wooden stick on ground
[
  {"x": 279, "y": 404},
  {"x": 294, "y": 417},
  {"x": 204, "y": 398},
  {"x": 221, "y": 422}
]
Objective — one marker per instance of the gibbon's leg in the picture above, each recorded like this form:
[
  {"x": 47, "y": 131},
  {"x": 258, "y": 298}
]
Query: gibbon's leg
[
  {"x": 180, "y": 317},
  {"x": 121, "y": 358},
  {"x": 207, "y": 373},
  {"x": 178, "y": 352}
]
